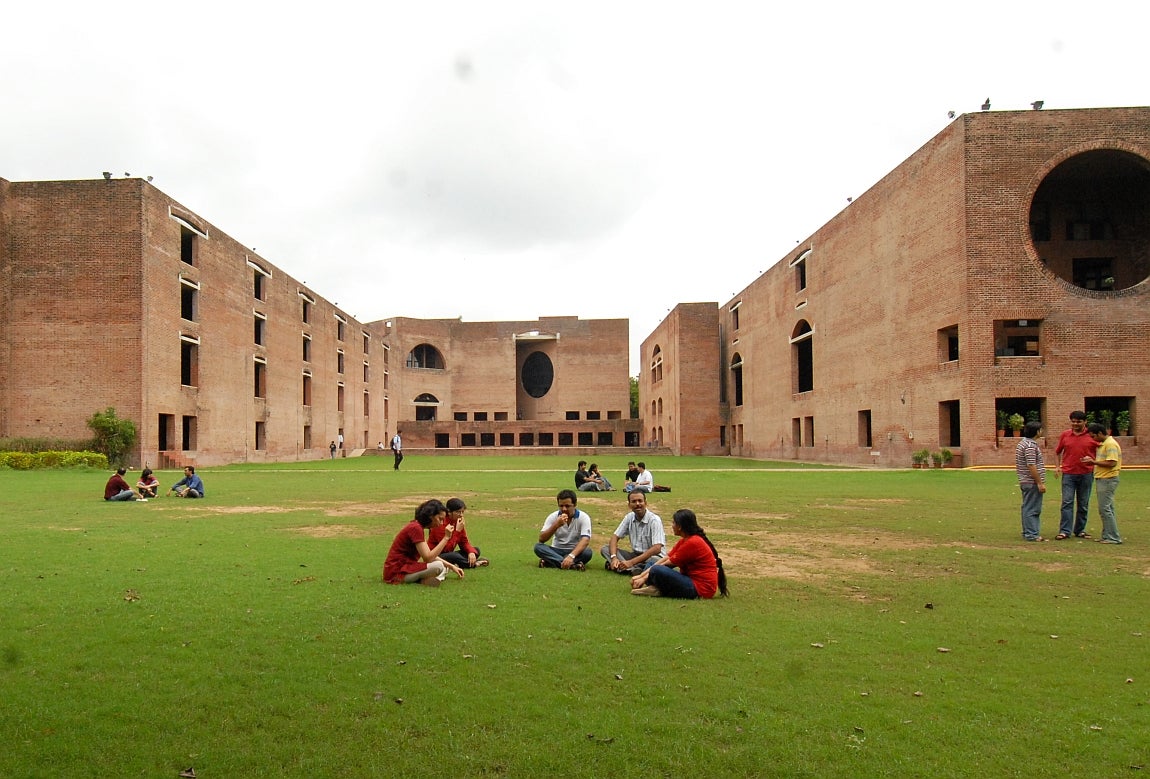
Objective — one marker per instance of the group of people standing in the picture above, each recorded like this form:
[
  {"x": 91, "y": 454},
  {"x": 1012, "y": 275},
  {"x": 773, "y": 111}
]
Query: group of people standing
[{"x": 1090, "y": 460}]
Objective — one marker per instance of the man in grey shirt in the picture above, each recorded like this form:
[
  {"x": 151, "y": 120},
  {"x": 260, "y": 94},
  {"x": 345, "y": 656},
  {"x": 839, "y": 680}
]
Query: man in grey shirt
[{"x": 645, "y": 530}]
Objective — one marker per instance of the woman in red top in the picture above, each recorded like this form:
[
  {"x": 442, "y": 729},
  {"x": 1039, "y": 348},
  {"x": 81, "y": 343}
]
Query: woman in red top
[
  {"x": 411, "y": 559},
  {"x": 700, "y": 572}
]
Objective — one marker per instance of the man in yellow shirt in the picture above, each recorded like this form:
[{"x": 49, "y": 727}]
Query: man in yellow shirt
[{"x": 1107, "y": 462}]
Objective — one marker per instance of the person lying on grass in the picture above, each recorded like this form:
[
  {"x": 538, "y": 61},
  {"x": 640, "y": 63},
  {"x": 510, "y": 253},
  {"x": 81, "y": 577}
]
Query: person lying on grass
[
  {"x": 459, "y": 549},
  {"x": 410, "y": 559},
  {"x": 700, "y": 572}
]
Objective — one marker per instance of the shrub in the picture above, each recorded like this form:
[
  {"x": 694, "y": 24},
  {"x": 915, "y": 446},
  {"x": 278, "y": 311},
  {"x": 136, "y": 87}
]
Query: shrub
[{"x": 114, "y": 436}]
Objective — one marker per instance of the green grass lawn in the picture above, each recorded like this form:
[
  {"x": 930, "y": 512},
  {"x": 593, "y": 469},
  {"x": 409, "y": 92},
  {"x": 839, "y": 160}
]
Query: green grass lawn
[{"x": 249, "y": 634}]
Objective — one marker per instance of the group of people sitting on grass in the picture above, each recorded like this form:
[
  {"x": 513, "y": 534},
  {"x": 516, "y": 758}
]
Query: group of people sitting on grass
[
  {"x": 589, "y": 479},
  {"x": 117, "y": 489},
  {"x": 565, "y": 543}
]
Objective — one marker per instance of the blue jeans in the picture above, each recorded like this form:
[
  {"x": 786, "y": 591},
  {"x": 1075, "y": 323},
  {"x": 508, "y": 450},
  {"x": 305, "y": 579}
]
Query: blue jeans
[
  {"x": 1075, "y": 487},
  {"x": 554, "y": 557},
  {"x": 1031, "y": 511},
  {"x": 671, "y": 583},
  {"x": 1105, "y": 489},
  {"x": 626, "y": 556}
]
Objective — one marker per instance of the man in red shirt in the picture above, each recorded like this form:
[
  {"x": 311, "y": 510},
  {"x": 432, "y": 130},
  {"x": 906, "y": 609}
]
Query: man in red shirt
[{"x": 1075, "y": 449}]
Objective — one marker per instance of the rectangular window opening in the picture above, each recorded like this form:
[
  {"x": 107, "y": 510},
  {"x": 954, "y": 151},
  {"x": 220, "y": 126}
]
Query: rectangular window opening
[
  {"x": 948, "y": 344},
  {"x": 261, "y": 378},
  {"x": 864, "y": 429},
  {"x": 1018, "y": 338}
]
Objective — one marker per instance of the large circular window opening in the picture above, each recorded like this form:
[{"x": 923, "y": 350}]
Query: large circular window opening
[
  {"x": 538, "y": 374},
  {"x": 1090, "y": 220}
]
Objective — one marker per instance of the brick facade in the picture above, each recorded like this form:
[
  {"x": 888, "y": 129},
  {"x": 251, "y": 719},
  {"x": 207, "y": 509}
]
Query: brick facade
[
  {"x": 1003, "y": 266},
  {"x": 115, "y": 295},
  {"x": 557, "y": 381}
]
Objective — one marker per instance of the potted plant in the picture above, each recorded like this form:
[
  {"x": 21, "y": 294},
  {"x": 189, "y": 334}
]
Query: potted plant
[
  {"x": 1016, "y": 422},
  {"x": 1033, "y": 415},
  {"x": 1122, "y": 422},
  {"x": 936, "y": 458},
  {"x": 920, "y": 457},
  {"x": 1090, "y": 420},
  {"x": 946, "y": 456},
  {"x": 1001, "y": 417},
  {"x": 1105, "y": 417}
]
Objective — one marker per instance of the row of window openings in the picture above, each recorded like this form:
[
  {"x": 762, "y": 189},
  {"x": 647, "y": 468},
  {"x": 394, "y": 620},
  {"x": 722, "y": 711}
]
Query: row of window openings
[
  {"x": 950, "y": 429},
  {"x": 501, "y": 416},
  {"x": 190, "y": 368},
  {"x": 188, "y": 248},
  {"x": 189, "y": 299},
  {"x": 188, "y": 434},
  {"x": 1012, "y": 338},
  {"x": 601, "y": 438}
]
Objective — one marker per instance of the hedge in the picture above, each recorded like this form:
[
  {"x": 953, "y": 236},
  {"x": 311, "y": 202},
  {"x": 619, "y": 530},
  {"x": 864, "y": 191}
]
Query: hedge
[{"x": 31, "y": 461}]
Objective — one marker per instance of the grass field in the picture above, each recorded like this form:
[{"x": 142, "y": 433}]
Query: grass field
[{"x": 880, "y": 624}]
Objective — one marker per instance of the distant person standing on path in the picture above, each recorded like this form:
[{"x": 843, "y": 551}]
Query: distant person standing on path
[
  {"x": 397, "y": 447},
  {"x": 331, "y": 448}
]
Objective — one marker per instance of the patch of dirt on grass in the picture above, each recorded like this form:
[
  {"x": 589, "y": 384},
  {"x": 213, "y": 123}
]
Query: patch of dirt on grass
[
  {"x": 825, "y": 559},
  {"x": 749, "y": 564},
  {"x": 245, "y": 509},
  {"x": 337, "y": 531}
]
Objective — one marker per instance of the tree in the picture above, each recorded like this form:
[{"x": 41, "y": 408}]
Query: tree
[
  {"x": 113, "y": 436},
  {"x": 634, "y": 397}
]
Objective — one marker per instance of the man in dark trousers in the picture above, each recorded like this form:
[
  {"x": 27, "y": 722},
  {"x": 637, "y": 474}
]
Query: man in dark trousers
[{"x": 397, "y": 447}]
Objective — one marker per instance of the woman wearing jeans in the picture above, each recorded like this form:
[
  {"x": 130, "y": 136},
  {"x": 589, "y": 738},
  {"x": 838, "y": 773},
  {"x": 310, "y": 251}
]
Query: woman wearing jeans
[{"x": 700, "y": 572}]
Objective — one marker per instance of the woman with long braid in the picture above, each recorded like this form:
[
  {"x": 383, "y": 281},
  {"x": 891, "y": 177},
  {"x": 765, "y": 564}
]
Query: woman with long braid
[{"x": 700, "y": 573}]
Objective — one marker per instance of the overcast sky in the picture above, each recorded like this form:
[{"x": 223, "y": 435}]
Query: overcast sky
[{"x": 517, "y": 159}]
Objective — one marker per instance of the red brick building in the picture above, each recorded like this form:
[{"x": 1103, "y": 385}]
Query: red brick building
[
  {"x": 1001, "y": 268},
  {"x": 555, "y": 382},
  {"x": 113, "y": 294}
]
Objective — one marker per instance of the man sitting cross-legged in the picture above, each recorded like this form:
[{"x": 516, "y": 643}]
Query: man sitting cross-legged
[{"x": 644, "y": 528}]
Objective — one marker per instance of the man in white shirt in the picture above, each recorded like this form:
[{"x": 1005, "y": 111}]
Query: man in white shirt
[
  {"x": 569, "y": 531},
  {"x": 397, "y": 447},
  {"x": 645, "y": 481},
  {"x": 645, "y": 530}
]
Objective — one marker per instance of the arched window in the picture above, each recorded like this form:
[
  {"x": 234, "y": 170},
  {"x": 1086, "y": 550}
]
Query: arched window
[
  {"x": 426, "y": 407},
  {"x": 803, "y": 356},
  {"x": 657, "y": 364},
  {"x": 737, "y": 378},
  {"x": 425, "y": 356}
]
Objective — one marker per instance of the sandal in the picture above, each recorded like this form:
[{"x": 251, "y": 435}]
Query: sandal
[
  {"x": 1062, "y": 537},
  {"x": 1083, "y": 535},
  {"x": 481, "y": 562}
]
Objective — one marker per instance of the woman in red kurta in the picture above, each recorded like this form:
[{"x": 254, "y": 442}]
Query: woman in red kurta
[
  {"x": 700, "y": 573},
  {"x": 410, "y": 559}
]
